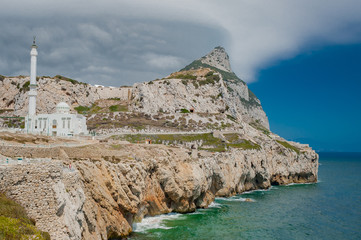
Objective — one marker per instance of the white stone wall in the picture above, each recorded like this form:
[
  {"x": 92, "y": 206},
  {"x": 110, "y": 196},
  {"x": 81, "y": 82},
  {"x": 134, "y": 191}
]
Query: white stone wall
[{"x": 56, "y": 124}]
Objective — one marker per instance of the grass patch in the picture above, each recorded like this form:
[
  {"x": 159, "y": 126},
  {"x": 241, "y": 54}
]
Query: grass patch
[
  {"x": 257, "y": 125},
  {"x": 118, "y": 108},
  {"x": 25, "y": 87},
  {"x": 82, "y": 109},
  {"x": 96, "y": 109},
  {"x": 234, "y": 141},
  {"x": 68, "y": 80},
  {"x": 209, "y": 142},
  {"x": 231, "y": 137},
  {"x": 183, "y": 110},
  {"x": 184, "y": 76},
  {"x": 230, "y": 117},
  {"x": 245, "y": 144},
  {"x": 15, "y": 224},
  {"x": 289, "y": 146},
  {"x": 227, "y": 76}
]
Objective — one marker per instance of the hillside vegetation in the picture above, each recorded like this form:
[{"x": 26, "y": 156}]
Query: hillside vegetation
[{"x": 15, "y": 224}]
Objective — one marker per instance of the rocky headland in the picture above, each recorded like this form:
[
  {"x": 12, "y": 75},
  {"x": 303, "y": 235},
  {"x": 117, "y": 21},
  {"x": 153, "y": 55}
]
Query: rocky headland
[
  {"x": 111, "y": 185},
  {"x": 210, "y": 137}
]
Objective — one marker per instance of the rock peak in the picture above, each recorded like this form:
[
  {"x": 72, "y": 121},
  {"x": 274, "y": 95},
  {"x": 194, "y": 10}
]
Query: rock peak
[{"x": 218, "y": 58}]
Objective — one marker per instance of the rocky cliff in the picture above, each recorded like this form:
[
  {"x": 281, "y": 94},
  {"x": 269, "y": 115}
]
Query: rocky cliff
[
  {"x": 114, "y": 184},
  {"x": 207, "y": 85},
  {"x": 51, "y": 91},
  {"x": 97, "y": 191}
]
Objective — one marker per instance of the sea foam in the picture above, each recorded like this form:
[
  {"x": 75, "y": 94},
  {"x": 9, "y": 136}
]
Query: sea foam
[
  {"x": 235, "y": 199},
  {"x": 156, "y": 222},
  {"x": 215, "y": 205}
]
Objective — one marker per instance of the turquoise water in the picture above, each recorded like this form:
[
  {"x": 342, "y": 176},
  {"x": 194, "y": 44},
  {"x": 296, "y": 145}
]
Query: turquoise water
[{"x": 329, "y": 209}]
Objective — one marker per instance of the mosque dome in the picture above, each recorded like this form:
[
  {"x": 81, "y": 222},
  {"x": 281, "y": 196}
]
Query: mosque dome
[{"x": 62, "y": 107}]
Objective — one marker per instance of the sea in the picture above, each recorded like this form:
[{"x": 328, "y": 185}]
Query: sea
[{"x": 328, "y": 209}]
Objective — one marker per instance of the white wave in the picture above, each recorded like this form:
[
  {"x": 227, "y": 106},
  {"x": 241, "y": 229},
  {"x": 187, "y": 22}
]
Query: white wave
[
  {"x": 196, "y": 212},
  {"x": 236, "y": 199},
  {"x": 292, "y": 184},
  {"x": 215, "y": 205},
  {"x": 258, "y": 190},
  {"x": 156, "y": 222}
]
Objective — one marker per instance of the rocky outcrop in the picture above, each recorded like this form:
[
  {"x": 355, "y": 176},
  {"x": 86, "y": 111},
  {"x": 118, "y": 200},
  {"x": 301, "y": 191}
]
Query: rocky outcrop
[
  {"x": 113, "y": 185},
  {"x": 51, "y": 91},
  {"x": 218, "y": 58},
  {"x": 207, "y": 85}
]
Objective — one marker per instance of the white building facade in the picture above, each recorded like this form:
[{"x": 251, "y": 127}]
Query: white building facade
[{"x": 60, "y": 123}]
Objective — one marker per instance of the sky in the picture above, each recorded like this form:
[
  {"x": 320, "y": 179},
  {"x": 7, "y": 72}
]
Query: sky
[{"x": 273, "y": 45}]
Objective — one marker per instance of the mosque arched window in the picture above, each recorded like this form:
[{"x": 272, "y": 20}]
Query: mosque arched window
[{"x": 54, "y": 123}]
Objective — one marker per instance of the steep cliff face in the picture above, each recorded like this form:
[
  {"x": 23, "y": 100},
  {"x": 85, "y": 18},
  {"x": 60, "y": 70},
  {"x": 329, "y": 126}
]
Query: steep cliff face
[
  {"x": 112, "y": 185},
  {"x": 207, "y": 85}
]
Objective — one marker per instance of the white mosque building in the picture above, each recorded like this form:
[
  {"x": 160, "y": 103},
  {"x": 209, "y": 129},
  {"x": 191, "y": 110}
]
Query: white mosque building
[{"x": 60, "y": 123}]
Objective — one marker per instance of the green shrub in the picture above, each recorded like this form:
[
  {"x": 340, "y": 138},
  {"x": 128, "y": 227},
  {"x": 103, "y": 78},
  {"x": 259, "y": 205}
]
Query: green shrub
[
  {"x": 25, "y": 87},
  {"x": 210, "y": 73},
  {"x": 118, "y": 108},
  {"x": 15, "y": 224},
  {"x": 245, "y": 144},
  {"x": 230, "y": 117},
  {"x": 185, "y": 76},
  {"x": 185, "y": 82},
  {"x": 257, "y": 125},
  {"x": 210, "y": 80},
  {"x": 68, "y": 79},
  {"x": 289, "y": 146},
  {"x": 82, "y": 109},
  {"x": 183, "y": 110}
]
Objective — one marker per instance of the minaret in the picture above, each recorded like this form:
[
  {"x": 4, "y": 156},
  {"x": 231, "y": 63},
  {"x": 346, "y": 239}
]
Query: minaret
[{"x": 32, "y": 92}]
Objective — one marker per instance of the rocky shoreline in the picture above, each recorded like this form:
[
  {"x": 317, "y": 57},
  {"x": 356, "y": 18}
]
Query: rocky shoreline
[{"x": 108, "y": 187}]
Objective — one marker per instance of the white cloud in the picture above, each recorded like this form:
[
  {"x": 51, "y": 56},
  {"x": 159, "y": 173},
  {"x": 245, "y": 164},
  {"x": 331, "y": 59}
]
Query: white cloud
[{"x": 162, "y": 61}]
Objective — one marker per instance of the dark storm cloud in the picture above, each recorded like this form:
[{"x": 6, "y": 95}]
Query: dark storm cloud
[
  {"x": 103, "y": 51},
  {"x": 121, "y": 42}
]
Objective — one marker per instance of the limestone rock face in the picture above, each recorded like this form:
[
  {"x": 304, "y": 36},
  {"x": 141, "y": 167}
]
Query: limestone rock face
[
  {"x": 218, "y": 58},
  {"x": 172, "y": 95},
  {"x": 112, "y": 186},
  {"x": 175, "y": 94},
  {"x": 207, "y": 85},
  {"x": 51, "y": 91}
]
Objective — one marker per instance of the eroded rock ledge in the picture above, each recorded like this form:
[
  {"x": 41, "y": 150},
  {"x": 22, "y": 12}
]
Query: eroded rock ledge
[{"x": 111, "y": 186}]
